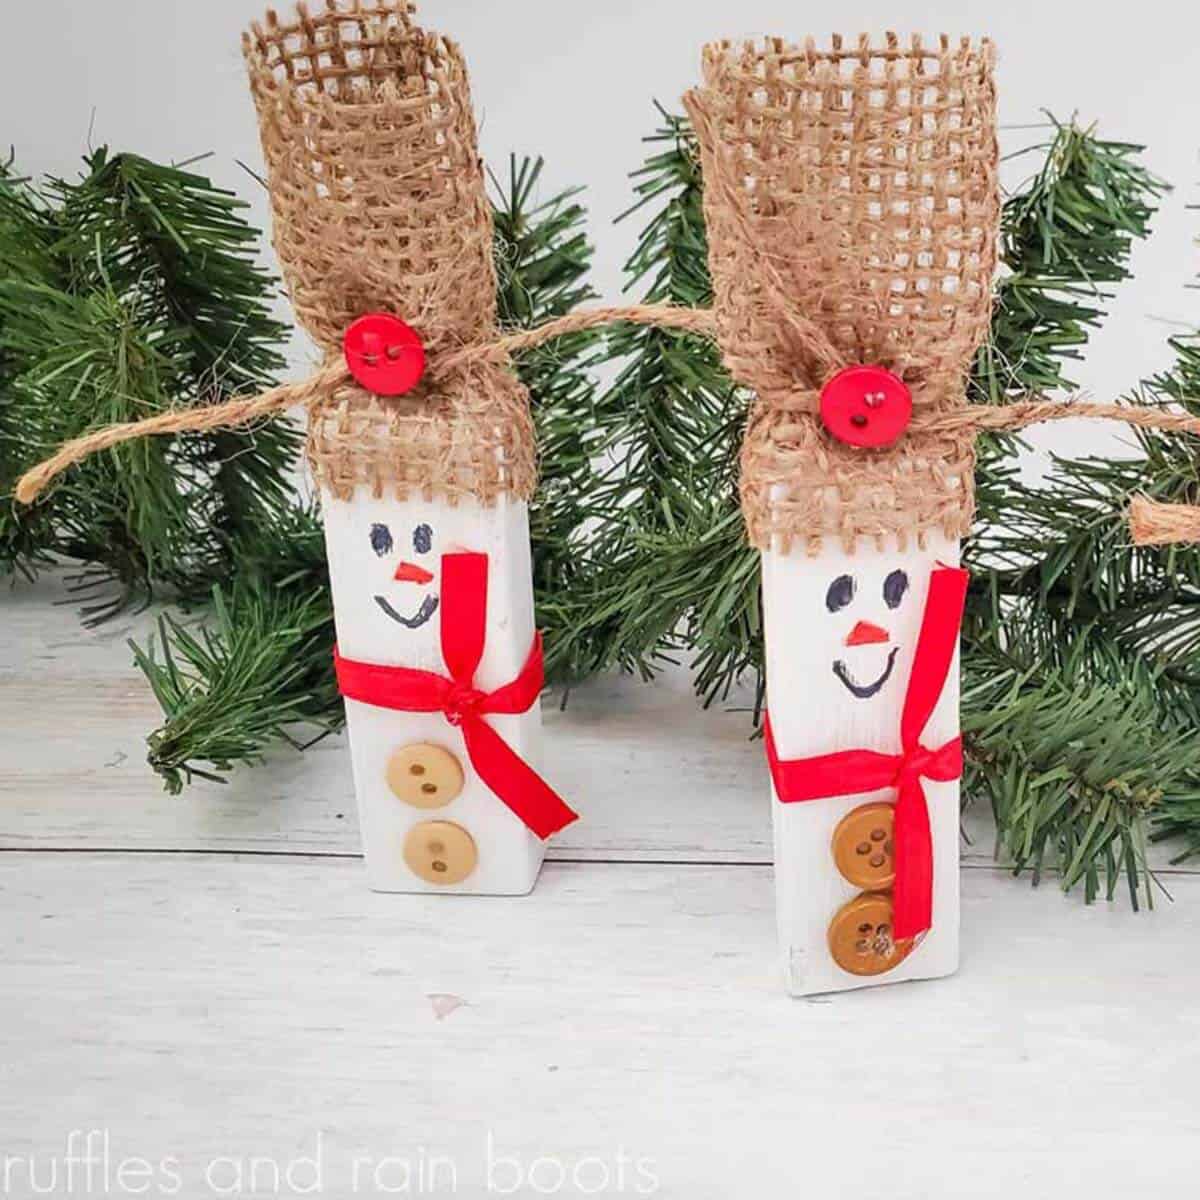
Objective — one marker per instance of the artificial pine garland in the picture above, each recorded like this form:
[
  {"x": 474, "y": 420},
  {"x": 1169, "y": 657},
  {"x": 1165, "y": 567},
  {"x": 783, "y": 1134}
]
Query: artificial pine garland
[
  {"x": 1081, "y": 680},
  {"x": 126, "y": 292}
]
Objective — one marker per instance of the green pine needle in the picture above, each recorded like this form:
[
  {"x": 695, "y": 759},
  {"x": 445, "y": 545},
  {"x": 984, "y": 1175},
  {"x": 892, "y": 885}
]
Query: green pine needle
[{"x": 127, "y": 292}]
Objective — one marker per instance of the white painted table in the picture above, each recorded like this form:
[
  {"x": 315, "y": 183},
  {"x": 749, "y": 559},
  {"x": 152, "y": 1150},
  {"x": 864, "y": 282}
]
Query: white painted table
[{"x": 207, "y": 979}]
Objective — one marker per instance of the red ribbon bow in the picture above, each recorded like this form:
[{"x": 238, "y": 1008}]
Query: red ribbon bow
[
  {"x": 851, "y": 772},
  {"x": 464, "y": 611}
]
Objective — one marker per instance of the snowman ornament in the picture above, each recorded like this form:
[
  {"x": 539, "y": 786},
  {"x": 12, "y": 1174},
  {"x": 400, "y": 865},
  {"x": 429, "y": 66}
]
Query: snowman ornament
[
  {"x": 862, "y": 653},
  {"x": 852, "y": 207},
  {"x": 424, "y": 467},
  {"x": 441, "y": 669}
]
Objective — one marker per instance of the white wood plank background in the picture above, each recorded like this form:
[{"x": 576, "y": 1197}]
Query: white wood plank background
[
  {"x": 212, "y": 1006},
  {"x": 207, "y": 976}
]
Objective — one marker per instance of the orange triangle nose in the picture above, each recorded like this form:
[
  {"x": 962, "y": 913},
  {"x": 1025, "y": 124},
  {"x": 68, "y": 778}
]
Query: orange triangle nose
[
  {"x": 408, "y": 572},
  {"x": 866, "y": 634}
]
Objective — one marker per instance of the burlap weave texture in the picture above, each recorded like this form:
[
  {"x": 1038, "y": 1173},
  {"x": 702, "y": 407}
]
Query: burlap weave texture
[{"x": 854, "y": 187}]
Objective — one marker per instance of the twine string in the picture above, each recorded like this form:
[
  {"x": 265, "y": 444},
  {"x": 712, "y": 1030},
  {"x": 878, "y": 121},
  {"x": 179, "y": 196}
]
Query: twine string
[
  {"x": 1033, "y": 410},
  {"x": 1153, "y": 523},
  {"x": 233, "y": 414},
  {"x": 243, "y": 411}
]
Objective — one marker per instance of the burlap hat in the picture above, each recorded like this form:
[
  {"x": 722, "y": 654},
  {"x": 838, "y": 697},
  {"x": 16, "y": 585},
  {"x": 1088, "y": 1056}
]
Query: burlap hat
[
  {"x": 854, "y": 188},
  {"x": 379, "y": 204}
]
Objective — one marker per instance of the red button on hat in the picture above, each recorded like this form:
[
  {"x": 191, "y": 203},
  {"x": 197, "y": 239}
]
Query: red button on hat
[
  {"x": 866, "y": 406},
  {"x": 384, "y": 354}
]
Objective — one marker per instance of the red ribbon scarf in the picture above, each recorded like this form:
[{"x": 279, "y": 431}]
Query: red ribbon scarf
[
  {"x": 851, "y": 772},
  {"x": 464, "y": 611}
]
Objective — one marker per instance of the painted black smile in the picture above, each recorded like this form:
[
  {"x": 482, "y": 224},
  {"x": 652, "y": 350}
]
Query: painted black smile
[
  {"x": 864, "y": 691},
  {"x": 427, "y": 609}
]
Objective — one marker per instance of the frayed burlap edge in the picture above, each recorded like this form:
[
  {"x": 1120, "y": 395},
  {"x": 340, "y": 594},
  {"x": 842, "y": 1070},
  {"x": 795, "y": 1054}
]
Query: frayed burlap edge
[{"x": 466, "y": 438}]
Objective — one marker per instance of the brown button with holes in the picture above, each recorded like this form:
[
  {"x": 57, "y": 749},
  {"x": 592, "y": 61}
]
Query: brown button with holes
[
  {"x": 440, "y": 852},
  {"x": 860, "y": 936},
  {"x": 425, "y": 775},
  {"x": 862, "y": 846}
]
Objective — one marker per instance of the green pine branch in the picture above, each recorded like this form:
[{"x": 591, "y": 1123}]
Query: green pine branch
[
  {"x": 256, "y": 669},
  {"x": 182, "y": 252},
  {"x": 85, "y": 361},
  {"x": 667, "y": 525},
  {"x": 1065, "y": 241},
  {"x": 543, "y": 258},
  {"x": 28, "y": 229},
  {"x": 1077, "y": 745},
  {"x": 1102, "y": 630},
  {"x": 129, "y": 291}
]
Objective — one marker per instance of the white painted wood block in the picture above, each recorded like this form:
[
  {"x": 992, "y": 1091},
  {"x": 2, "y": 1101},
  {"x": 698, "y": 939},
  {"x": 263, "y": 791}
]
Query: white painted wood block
[
  {"x": 396, "y": 622},
  {"x": 814, "y": 711}
]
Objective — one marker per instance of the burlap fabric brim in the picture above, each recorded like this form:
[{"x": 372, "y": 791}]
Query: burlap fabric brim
[
  {"x": 444, "y": 442},
  {"x": 800, "y": 488}
]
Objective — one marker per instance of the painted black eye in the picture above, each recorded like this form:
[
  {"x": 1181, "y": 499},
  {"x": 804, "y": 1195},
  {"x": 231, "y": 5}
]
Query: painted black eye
[
  {"x": 894, "y": 587},
  {"x": 841, "y": 592},
  {"x": 381, "y": 540},
  {"x": 422, "y": 539}
]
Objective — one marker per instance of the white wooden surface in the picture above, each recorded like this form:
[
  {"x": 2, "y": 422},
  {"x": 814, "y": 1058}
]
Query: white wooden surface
[{"x": 208, "y": 977}]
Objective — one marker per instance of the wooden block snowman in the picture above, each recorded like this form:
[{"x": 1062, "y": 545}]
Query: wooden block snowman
[
  {"x": 844, "y": 633},
  {"x": 447, "y": 801},
  {"x": 852, "y": 205},
  {"x": 383, "y": 229}
]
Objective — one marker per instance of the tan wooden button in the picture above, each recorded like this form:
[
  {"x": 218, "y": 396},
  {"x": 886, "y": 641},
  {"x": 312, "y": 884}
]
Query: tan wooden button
[
  {"x": 440, "y": 852},
  {"x": 860, "y": 936},
  {"x": 862, "y": 847},
  {"x": 425, "y": 775}
]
